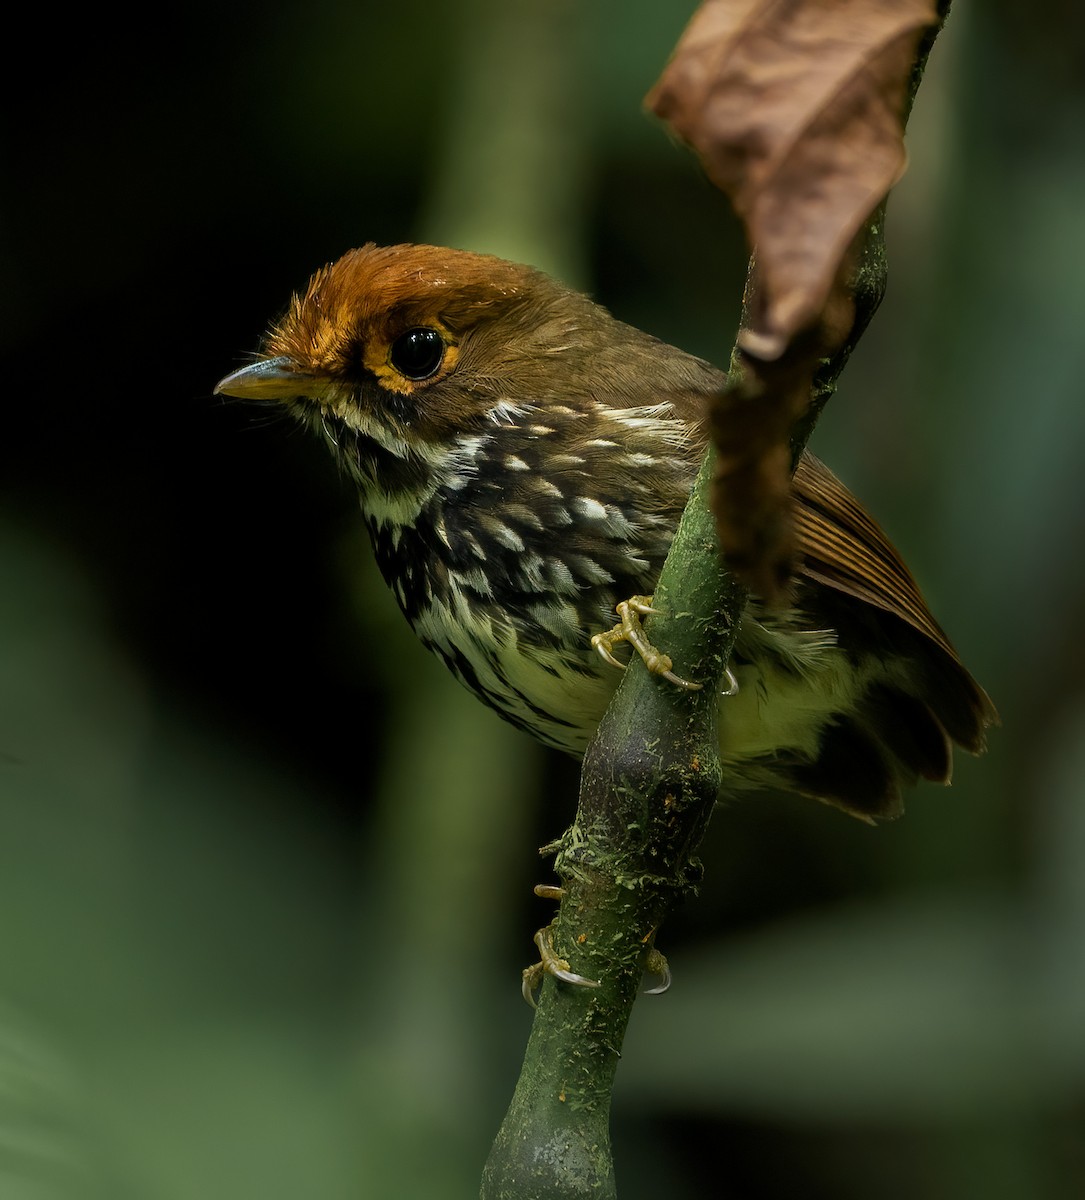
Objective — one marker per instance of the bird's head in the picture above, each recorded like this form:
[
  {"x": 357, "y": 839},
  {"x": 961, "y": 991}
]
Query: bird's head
[
  {"x": 408, "y": 348},
  {"x": 424, "y": 368}
]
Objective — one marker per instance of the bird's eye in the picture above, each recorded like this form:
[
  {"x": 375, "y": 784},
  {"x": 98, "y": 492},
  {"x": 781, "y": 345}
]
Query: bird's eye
[{"x": 417, "y": 353}]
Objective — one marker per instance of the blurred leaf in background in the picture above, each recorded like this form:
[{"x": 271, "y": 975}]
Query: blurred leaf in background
[{"x": 264, "y": 870}]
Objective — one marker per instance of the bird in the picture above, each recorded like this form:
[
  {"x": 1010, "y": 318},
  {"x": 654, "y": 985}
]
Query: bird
[{"x": 522, "y": 458}]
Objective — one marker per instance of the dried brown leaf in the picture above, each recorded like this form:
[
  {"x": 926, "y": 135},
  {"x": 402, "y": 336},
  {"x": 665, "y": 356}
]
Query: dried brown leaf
[{"x": 796, "y": 109}]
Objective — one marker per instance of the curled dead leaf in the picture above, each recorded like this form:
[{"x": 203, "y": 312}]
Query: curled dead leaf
[{"x": 796, "y": 109}]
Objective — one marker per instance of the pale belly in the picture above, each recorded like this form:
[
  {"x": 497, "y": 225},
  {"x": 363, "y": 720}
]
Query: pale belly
[{"x": 790, "y": 682}]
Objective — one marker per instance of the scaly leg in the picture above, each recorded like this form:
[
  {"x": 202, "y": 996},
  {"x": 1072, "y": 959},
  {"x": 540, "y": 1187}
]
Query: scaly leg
[
  {"x": 629, "y": 629},
  {"x": 550, "y": 963},
  {"x": 655, "y": 963}
]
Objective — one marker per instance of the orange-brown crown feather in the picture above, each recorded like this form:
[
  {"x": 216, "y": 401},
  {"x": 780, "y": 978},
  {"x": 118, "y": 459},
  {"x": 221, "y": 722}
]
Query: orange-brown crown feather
[{"x": 374, "y": 293}]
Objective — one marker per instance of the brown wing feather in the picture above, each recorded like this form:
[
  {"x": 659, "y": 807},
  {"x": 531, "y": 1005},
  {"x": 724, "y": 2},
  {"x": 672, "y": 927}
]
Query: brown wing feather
[{"x": 844, "y": 547}]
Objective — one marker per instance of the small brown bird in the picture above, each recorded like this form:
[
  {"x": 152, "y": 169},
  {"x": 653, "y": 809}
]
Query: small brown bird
[{"x": 522, "y": 460}]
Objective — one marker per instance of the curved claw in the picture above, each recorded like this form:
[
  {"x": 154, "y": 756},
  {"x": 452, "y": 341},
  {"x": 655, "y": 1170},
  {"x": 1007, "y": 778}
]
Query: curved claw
[
  {"x": 656, "y": 964},
  {"x": 629, "y": 630},
  {"x": 678, "y": 681},
  {"x": 554, "y": 965},
  {"x": 550, "y": 963},
  {"x": 572, "y": 977},
  {"x": 601, "y": 642},
  {"x": 533, "y": 977}
]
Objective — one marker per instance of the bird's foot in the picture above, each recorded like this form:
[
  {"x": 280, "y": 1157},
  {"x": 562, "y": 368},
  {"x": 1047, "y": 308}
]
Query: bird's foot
[
  {"x": 655, "y": 963},
  {"x": 550, "y": 963},
  {"x": 629, "y": 629}
]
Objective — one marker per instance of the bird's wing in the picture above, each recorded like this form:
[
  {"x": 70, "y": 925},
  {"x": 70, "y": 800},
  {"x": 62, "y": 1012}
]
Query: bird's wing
[{"x": 844, "y": 548}]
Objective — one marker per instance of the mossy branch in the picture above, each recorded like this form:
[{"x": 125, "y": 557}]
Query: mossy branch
[
  {"x": 649, "y": 784},
  {"x": 650, "y": 781}
]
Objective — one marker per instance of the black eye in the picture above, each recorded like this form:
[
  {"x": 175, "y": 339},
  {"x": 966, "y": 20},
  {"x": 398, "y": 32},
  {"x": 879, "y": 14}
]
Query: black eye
[{"x": 417, "y": 353}]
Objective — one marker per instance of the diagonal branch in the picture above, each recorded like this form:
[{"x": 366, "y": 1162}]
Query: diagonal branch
[{"x": 649, "y": 784}]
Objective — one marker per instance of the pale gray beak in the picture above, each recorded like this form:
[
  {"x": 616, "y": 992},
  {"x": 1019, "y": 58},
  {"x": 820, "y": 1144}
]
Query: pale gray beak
[{"x": 270, "y": 379}]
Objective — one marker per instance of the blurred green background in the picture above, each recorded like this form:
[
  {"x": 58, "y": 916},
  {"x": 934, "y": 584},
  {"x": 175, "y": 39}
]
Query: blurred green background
[{"x": 264, "y": 871}]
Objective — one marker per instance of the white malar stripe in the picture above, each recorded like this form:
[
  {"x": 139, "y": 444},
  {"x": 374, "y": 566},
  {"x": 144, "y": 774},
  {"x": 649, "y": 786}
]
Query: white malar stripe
[{"x": 363, "y": 424}]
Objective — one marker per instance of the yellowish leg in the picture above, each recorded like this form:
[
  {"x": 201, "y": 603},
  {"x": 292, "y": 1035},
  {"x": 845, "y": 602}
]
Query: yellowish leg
[
  {"x": 655, "y": 963},
  {"x": 629, "y": 629},
  {"x": 550, "y": 963}
]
